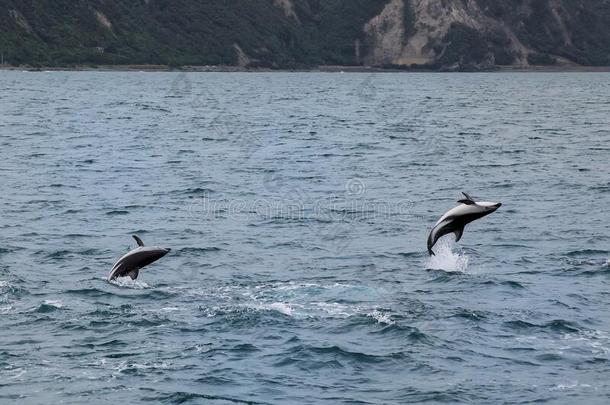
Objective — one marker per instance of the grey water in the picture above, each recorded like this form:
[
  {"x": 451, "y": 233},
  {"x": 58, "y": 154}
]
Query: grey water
[{"x": 297, "y": 207}]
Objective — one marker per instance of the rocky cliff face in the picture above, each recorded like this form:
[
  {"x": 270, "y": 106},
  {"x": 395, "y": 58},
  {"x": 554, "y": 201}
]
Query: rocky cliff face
[
  {"x": 475, "y": 34},
  {"x": 442, "y": 34}
]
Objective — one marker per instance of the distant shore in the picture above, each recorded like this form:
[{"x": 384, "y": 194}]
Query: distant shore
[{"x": 324, "y": 68}]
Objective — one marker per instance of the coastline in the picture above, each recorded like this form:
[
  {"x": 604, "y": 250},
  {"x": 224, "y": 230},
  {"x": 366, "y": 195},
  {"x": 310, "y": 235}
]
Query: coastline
[{"x": 321, "y": 69}]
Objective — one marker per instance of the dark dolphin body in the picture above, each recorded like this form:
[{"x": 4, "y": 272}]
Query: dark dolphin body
[
  {"x": 131, "y": 263},
  {"x": 457, "y": 218}
]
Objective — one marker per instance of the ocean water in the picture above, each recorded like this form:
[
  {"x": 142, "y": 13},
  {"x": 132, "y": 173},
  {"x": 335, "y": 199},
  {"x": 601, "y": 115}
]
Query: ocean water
[{"x": 297, "y": 207}]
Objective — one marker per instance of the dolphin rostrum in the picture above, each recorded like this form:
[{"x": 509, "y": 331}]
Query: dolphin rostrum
[
  {"x": 457, "y": 218},
  {"x": 131, "y": 263}
]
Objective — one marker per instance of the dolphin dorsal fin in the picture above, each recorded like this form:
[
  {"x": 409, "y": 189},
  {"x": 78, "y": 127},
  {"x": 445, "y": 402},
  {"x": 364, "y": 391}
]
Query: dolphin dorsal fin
[
  {"x": 138, "y": 240},
  {"x": 468, "y": 200}
]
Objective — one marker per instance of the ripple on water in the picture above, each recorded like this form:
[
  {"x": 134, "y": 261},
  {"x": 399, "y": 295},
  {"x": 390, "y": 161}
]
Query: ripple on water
[{"x": 335, "y": 301}]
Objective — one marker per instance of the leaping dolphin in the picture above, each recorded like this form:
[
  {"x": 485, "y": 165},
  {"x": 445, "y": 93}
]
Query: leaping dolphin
[
  {"x": 457, "y": 218},
  {"x": 131, "y": 263}
]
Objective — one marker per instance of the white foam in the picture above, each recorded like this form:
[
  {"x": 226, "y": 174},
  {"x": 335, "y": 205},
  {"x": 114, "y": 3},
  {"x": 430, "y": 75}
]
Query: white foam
[
  {"x": 381, "y": 317},
  {"x": 152, "y": 366},
  {"x": 445, "y": 259},
  {"x": 597, "y": 341},
  {"x": 280, "y": 307},
  {"x": 169, "y": 309},
  {"x": 335, "y": 309},
  {"x": 297, "y": 300},
  {"x": 54, "y": 303},
  {"x": 291, "y": 285},
  {"x": 570, "y": 386},
  {"x": 203, "y": 347}
]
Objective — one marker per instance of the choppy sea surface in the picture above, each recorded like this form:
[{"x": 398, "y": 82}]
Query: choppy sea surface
[{"x": 297, "y": 207}]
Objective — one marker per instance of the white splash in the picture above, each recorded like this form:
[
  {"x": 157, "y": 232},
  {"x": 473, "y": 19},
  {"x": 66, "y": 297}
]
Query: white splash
[
  {"x": 445, "y": 259},
  {"x": 129, "y": 283}
]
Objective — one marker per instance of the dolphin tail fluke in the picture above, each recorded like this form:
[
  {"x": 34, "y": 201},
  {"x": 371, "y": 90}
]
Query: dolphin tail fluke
[
  {"x": 458, "y": 234},
  {"x": 138, "y": 240},
  {"x": 431, "y": 243}
]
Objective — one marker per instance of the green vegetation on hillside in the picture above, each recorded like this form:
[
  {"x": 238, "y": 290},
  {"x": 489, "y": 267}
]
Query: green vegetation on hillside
[
  {"x": 465, "y": 48},
  {"x": 408, "y": 19},
  {"x": 578, "y": 30},
  {"x": 160, "y": 31},
  {"x": 182, "y": 32},
  {"x": 210, "y": 32},
  {"x": 335, "y": 25}
]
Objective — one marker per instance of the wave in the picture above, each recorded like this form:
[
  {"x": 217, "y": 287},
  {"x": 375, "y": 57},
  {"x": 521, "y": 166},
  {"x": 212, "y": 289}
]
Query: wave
[
  {"x": 49, "y": 306},
  {"x": 89, "y": 292},
  {"x": 78, "y": 235},
  {"x": 117, "y": 212},
  {"x": 4, "y": 250},
  {"x": 557, "y": 325},
  {"x": 412, "y": 334},
  {"x": 470, "y": 315},
  {"x": 59, "y": 254},
  {"x": 337, "y": 354},
  {"x": 586, "y": 252},
  {"x": 197, "y": 191},
  {"x": 198, "y": 250},
  {"x": 186, "y": 397},
  {"x": 144, "y": 106}
]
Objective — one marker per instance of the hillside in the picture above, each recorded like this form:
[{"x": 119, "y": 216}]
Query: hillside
[{"x": 441, "y": 34}]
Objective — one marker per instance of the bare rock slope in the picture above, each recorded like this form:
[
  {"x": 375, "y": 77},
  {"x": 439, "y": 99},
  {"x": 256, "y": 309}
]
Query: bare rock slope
[{"x": 477, "y": 34}]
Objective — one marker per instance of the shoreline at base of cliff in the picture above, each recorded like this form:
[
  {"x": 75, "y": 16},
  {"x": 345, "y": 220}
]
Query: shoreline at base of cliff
[{"x": 323, "y": 68}]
